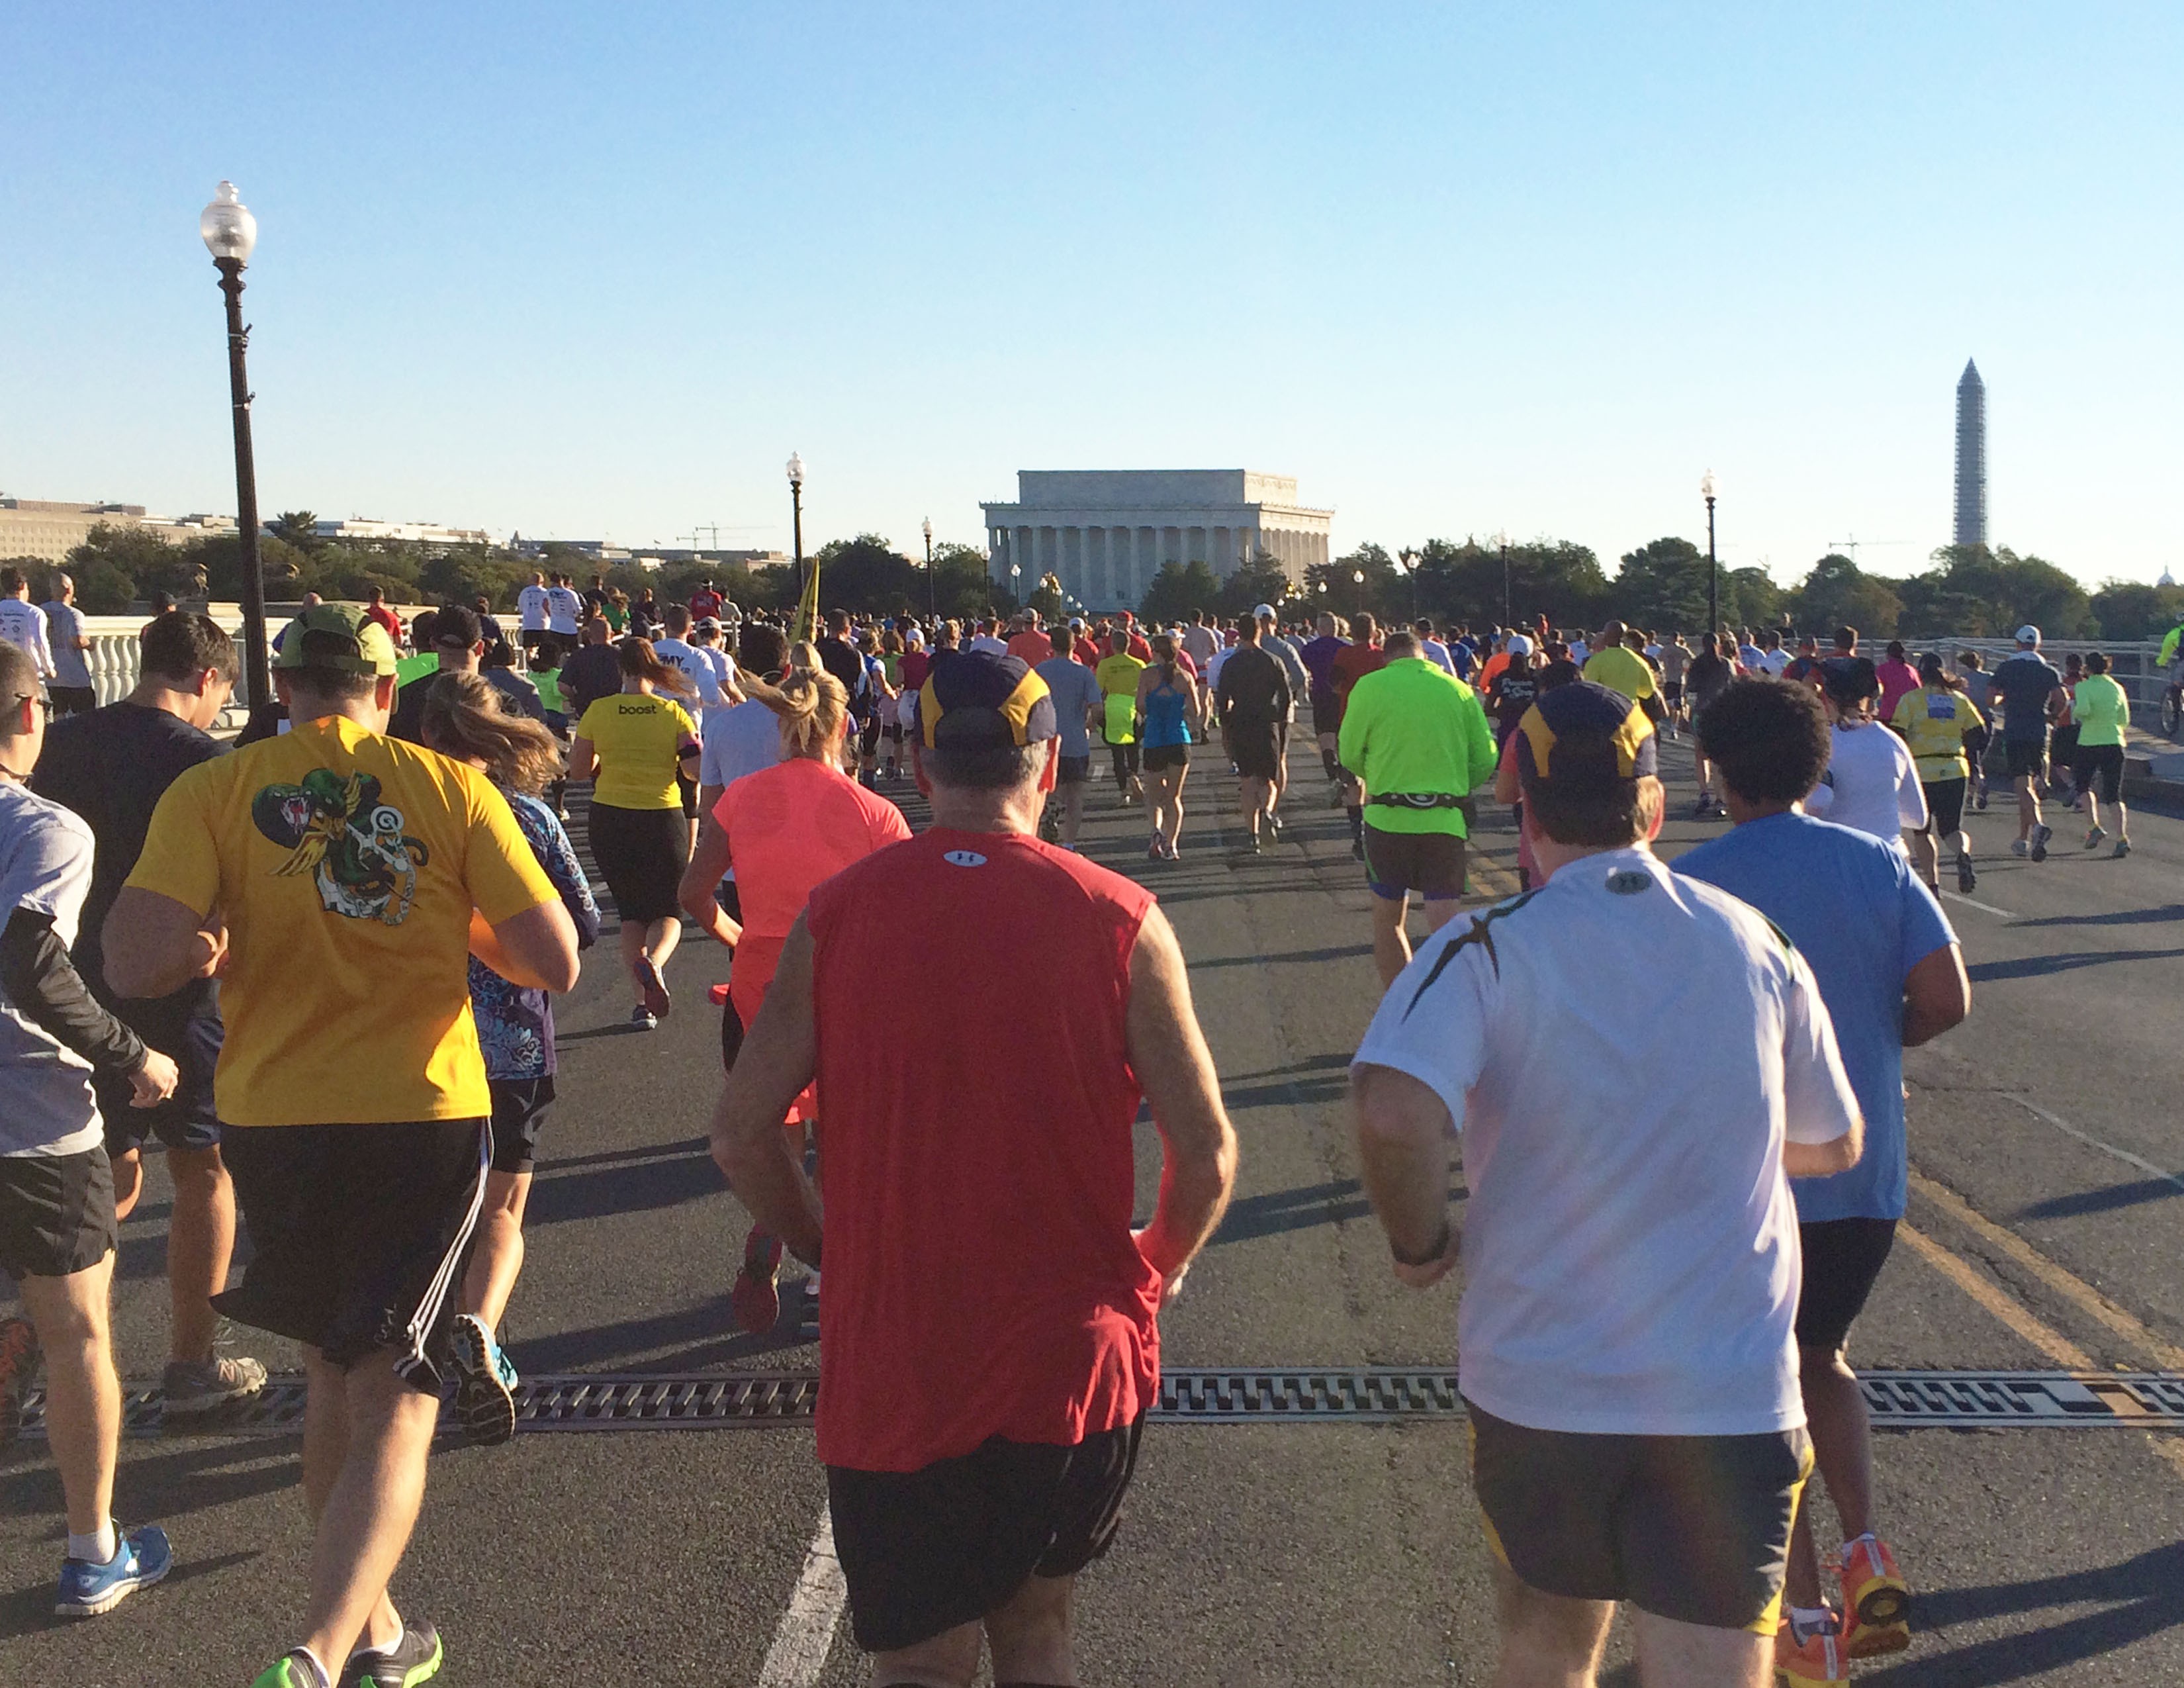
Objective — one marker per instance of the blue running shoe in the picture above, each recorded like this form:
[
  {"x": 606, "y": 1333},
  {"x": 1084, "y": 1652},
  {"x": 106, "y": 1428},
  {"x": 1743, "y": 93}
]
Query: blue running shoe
[
  {"x": 484, "y": 1385},
  {"x": 87, "y": 1590}
]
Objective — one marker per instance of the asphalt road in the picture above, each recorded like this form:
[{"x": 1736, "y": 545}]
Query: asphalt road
[{"x": 2048, "y": 1229}]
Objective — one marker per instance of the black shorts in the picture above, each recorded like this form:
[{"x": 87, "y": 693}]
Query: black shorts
[
  {"x": 1693, "y": 1529},
  {"x": 359, "y": 1233},
  {"x": 1428, "y": 863},
  {"x": 2062, "y": 746},
  {"x": 732, "y": 1034},
  {"x": 1945, "y": 807},
  {"x": 1976, "y": 741},
  {"x": 2026, "y": 756},
  {"x": 1844, "y": 1258},
  {"x": 1073, "y": 770},
  {"x": 520, "y": 1107},
  {"x": 2103, "y": 763},
  {"x": 1255, "y": 747},
  {"x": 868, "y": 737},
  {"x": 1672, "y": 692},
  {"x": 1160, "y": 757},
  {"x": 925, "y": 1550},
  {"x": 56, "y": 1213},
  {"x": 642, "y": 853},
  {"x": 73, "y": 699},
  {"x": 1326, "y": 717},
  {"x": 191, "y": 1032}
]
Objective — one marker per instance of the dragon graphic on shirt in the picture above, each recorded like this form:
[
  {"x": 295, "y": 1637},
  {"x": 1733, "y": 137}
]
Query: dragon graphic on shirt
[{"x": 335, "y": 828}]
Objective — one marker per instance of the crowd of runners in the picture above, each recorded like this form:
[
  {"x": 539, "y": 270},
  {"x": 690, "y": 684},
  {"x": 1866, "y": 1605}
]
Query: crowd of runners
[{"x": 320, "y": 966}]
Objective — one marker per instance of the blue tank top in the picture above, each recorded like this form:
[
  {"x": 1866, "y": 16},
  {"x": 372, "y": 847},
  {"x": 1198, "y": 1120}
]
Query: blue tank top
[{"x": 1164, "y": 719}]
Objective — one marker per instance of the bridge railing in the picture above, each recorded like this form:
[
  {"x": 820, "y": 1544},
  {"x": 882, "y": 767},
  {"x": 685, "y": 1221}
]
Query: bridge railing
[{"x": 2133, "y": 663}]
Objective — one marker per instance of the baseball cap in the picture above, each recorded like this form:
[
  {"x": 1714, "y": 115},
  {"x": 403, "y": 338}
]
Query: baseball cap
[
  {"x": 1518, "y": 645},
  {"x": 975, "y": 697},
  {"x": 711, "y": 623},
  {"x": 2028, "y": 634},
  {"x": 348, "y": 641},
  {"x": 1264, "y": 612},
  {"x": 458, "y": 627},
  {"x": 1586, "y": 734}
]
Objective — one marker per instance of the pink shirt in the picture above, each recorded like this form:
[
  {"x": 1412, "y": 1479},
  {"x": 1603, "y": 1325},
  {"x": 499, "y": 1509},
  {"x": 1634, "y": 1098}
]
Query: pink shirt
[{"x": 1897, "y": 680}]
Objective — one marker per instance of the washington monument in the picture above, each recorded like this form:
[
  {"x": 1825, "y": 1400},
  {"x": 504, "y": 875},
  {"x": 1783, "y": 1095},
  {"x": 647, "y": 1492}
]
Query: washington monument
[{"x": 1971, "y": 458}]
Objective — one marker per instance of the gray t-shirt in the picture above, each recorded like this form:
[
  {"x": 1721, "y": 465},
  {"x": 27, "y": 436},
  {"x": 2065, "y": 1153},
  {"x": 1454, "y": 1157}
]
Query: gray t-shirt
[
  {"x": 739, "y": 741},
  {"x": 63, "y": 628},
  {"x": 1075, "y": 689},
  {"x": 46, "y": 1101}
]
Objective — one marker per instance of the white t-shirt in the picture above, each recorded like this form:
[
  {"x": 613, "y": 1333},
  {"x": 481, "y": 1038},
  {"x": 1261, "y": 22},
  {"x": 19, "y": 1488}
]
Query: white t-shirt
[
  {"x": 46, "y": 1102},
  {"x": 738, "y": 740},
  {"x": 530, "y": 605},
  {"x": 1437, "y": 653},
  {"x": 989, "y": 644},
  {"x": 1201, "y": 643},
  {"x": 64, "y": 626},
  {"x": 693, "y": 663},
  {"x": 563, "y": 607},
  {"x": 1871, "y": 784},
  {"x": 22, "y": 625},
  {"x": 1631, "y": 1260},
  {"x": 722, "y": 667},
  {"x": 1580, "y": 652},
  {"x": 1774, "y": 661}
]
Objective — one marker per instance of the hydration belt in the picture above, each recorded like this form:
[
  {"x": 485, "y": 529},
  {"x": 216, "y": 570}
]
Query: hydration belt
[{"x": 1417, "y": 799}]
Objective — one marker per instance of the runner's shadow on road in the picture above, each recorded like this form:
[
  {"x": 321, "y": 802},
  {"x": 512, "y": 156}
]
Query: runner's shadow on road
[
  {"x": 665, "y": 1177},
  {"x": 2107, "y": 1201},
  {"x": 2144, "y": 1595},
  {"x": 29, "y": 1610},
  {"x": 706, "y": 1331},
  {"x": 2042, "y": 966},
  {"x": 1341, "y": 952},
  {"x": 2161, "y": 915}
]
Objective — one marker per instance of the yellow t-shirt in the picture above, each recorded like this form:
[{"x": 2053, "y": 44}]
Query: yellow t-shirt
[
  {"x": 1622, "y": 669},
  {"x": 1117, "y": 676},
  {"x": 346, "y": 865},
  {"x": 637, "y": 735}
]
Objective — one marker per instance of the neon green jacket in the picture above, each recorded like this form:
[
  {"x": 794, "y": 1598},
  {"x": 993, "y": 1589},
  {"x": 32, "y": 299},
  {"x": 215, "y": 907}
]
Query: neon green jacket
[{"x": 1412, "y": 729}]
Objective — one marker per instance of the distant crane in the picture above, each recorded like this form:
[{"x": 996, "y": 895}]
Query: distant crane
[{"x": 1849, "y": 547}]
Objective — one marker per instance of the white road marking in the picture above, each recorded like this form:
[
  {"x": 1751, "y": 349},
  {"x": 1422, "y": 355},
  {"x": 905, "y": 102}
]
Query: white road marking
[
  {"x": 1974, "y": 903},
  {"x": 807, "y": 1632},
  {"x": 2122, "y": 1154}
]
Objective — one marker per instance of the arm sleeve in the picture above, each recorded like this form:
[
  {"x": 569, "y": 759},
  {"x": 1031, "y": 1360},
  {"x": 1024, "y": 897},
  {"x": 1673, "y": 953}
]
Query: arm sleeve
[
  {"x": 1432, "y": 1024},
  {"x": 44, "y": 988},
  {"x": 501, "y": 869},
  {"x": 1818, "y": 1103}
]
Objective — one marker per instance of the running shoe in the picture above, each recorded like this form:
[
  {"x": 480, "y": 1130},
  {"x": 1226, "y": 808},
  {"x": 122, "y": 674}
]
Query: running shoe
[
  {"x": 657, "y": 1002},
  {"x": 755, "y": 1298},
  {"x": 2093, "y": 837},
  {"x": 1818, "y": 1657},
  {"x": 2122, "y": 849},
  {"x": 1274, "y": 825},
  {"x": 1334, "y": 798},
  {"x": 642, "y": 1019},
  {"x": 2018, "y": 847},
  {"x": 1876, "y": 1602},
  {"x": 415, "y": 1657},
  {"x": 139, "y": 1559},
  {"x": 1980, "y": 801},
  {"x": 1967, "y": 880},
  {"x": 190, "y": 1386},
  {"x": 2042, "y": 832},
  {"x": 19, "y": 1364},
  {"x": 1153, "y": 847},
  {"x": 1703, "y": 808},
  {"x": 485, "y": 1382},
  {"x": 293, "y": 1669},
  {"x": 1357, "y": 848}
]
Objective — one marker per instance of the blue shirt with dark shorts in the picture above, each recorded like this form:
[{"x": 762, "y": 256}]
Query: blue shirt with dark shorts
[{"x": 1862, "y": 920}]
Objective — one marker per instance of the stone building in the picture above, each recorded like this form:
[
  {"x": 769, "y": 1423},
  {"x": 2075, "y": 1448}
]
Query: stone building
[{"x": 1105, "y": 533}]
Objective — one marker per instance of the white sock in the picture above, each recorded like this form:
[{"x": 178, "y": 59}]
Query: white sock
[
  {"x": 386, "y": 1646},
  {"x": 1850, "y": 1547},
  {"x": 325, "y": 1678},
  {"x": 1808, "y": 1620},
  {"x": 97, "y": 1548}
]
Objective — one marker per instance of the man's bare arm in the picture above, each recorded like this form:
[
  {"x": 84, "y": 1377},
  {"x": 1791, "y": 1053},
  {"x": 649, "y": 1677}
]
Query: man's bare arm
[
  {"x": 1937, "y": 994},
  {"x": 1175, "y": 1069},
  {"x": 155, "y": 945},
  {"x": 1824, "y": 1160},
  {"x": 1403, "y": 1137},
  {"x": 537, "y": 948},
  {"x": 779, "y": 1055}
]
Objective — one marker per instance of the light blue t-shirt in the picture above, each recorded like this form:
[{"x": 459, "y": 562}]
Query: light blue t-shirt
[
  {"x": 1075, "y": 688},
  {"x": 1862, "y": 920}
]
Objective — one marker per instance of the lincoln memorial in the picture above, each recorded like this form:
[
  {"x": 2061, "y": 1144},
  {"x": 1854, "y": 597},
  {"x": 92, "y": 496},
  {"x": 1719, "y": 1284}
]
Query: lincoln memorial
[{"x": 1105, "y": 533}]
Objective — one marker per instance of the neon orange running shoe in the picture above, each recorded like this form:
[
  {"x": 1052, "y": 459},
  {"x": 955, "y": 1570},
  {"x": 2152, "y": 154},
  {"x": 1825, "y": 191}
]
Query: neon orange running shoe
[
  {"x": 1876, "y": 1601},
  {"x": 1817, "y": 1660}
]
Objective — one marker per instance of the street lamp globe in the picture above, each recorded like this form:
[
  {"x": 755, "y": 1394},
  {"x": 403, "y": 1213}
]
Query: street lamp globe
[
  {"x": 928, "y": 530},
  {"x": 795, "y": 469},
  {"x": 1358, "y": 574},
  {"x": 228, "y": 229},
  {"x": 1706, "y": 486}
]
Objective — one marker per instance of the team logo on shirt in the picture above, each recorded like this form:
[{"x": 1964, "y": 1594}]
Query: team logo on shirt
[
  {"x": 335, "y": 828},
  {"x": 964, "y": 858},
  {"x": 1629, "y": 881}
]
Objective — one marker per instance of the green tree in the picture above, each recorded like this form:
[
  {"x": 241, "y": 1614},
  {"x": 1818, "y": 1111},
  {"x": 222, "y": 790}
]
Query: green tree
[
  {"x": 1978, "y": 593},
  {"x": 2131, "y": 610},
  {"x": 1177, "y": 590},
  {"x": 1551, "y": 578},
  {"x": 866, "y": 576},
  {"x": 1835, "y": 593},
  {"x": 1260, "y": 580},
  {"x": 961, "y": 587},
  {"x": 299, "y": 528},
  {"x": 1662, "y": 585},
  {"x": 1384, "y": 591}
]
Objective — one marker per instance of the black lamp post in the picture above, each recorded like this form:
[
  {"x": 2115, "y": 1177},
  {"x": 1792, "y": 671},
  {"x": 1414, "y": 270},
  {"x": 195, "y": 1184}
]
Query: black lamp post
[
  {"x": 1502, "y": 539},
  {"x": 230, "y": 234},
  {"x": 931, "y": 602},
  {"x": 1409, "y": 559},
  {"x": 796, "y": 519},
  {"x": 1714, "y": 567}
]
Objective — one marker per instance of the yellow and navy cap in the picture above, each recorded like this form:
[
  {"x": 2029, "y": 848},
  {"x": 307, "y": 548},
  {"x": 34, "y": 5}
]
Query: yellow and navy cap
[
  {"x": 1585, "y": 734},
  {"x": 974, "y": 698},
  {"x": 341, "y": 637}
]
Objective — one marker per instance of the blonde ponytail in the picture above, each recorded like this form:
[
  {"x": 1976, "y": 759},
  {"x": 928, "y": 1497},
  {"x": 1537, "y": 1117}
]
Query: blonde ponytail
[
  {"x": 465, "y": 718},
  {"x": 813, "y": 708}
]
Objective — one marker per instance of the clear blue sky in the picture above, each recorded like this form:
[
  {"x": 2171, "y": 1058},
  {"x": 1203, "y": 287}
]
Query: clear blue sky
[{"x": 597, "y": 270}]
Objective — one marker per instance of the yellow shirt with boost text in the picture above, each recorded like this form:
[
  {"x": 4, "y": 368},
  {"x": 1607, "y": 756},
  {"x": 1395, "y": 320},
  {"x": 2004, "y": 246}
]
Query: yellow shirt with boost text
[
  {"x": 637, "y": 735},
  {"x": 1117, "y": 676},
  {"x": 345, "y": 866}
]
